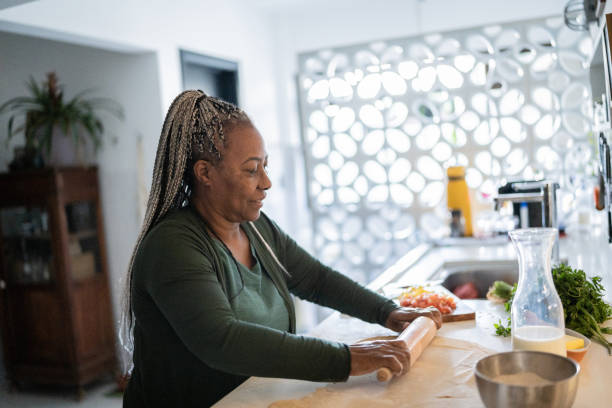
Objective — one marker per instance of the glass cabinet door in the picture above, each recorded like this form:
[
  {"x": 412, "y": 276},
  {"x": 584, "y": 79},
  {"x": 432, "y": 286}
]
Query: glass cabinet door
[
  {"x": 83, "y": 245},
  {"x": 28, "y": 255}
]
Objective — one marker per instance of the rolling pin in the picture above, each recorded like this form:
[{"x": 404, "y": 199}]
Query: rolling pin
[{"x": 417, "y": 336}]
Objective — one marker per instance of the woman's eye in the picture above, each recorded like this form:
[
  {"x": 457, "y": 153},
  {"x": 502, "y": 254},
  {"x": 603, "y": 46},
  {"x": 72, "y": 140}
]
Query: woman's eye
[{"x": 252, "y": 171}]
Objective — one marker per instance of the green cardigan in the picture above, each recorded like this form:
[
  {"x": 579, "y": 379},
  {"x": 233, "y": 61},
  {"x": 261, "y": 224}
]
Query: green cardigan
[{"x": 190, "y": 346}]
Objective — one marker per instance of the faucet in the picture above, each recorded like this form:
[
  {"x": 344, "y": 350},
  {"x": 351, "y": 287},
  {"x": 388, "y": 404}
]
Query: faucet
[{"x": 547, "y": 196}]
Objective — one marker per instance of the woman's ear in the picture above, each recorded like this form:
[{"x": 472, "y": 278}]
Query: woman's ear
[{"x": 201, "y": 172}]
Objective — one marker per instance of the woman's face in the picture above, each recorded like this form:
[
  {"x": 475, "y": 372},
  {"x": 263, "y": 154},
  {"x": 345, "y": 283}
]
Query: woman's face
[{"x": 238, "y": 183}]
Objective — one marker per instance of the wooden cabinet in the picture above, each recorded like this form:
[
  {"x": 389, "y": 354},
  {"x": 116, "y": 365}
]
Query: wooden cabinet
[{"x": 55, "y": 306}]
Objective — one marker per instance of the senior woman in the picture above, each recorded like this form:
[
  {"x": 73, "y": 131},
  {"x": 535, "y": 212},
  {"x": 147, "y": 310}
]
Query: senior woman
[{"x": 209, "y": 283}]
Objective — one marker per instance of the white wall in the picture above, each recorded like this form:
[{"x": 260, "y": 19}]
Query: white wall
[{"x": 347, "y": 22}]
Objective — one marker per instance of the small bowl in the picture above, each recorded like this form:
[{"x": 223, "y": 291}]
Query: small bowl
[
  {"x": 578, "y": 354},
  {"x": 560, "y": 373}
]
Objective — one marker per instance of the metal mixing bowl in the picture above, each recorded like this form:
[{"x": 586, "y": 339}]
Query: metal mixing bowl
[{"x": 561, "y": 371}]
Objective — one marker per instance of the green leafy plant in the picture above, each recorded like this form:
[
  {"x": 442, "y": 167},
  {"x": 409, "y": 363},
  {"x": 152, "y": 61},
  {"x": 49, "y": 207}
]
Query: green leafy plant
[
  {"x": 502, "y": 330},
  {"x": 500, "y": 292},
  {"x": 583, "y": 304},
  {"x": 44, "y": 109}
]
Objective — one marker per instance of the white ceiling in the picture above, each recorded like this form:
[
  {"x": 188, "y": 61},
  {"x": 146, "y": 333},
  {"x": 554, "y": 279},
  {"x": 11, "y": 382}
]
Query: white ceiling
[
  {"x": 279, "y": 4},
  {"x": 270, "y": 6}
]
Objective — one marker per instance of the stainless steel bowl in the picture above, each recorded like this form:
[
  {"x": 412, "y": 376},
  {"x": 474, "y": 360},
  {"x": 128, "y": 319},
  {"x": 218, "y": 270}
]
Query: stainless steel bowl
[{"x": 560, "y": 371}]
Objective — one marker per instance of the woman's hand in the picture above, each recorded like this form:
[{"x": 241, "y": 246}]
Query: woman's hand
[
  {"x": 369, "y": 356},
  {"x": 400, "y": 318}
]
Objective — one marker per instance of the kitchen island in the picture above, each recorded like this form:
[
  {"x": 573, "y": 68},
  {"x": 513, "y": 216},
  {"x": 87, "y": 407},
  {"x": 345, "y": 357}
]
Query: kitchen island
[{"x": 473, "y": 339}]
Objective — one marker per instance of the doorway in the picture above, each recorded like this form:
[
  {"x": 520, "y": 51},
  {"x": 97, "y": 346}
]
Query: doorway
[{"x": 215, "y": 76}]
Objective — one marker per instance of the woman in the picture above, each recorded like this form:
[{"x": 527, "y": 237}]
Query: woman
[{"x": 210, "y": 279}]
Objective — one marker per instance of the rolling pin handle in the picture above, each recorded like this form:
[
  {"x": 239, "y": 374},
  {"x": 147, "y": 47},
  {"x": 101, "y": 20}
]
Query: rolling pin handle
[
  {"x": 384, "y": 374},
  {"x": 416, "y": 337}
]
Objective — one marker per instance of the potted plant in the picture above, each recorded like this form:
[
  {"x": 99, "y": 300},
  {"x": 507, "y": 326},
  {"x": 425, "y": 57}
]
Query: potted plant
[{"x": 50, "y": 122}]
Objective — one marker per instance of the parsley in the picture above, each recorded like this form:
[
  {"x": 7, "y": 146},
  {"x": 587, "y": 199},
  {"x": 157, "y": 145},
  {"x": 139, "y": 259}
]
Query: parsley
[
  {"x": 500, "y": 330},
  {"x": 583, "y": 305}
]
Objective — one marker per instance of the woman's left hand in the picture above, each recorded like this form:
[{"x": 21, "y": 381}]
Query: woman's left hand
[{"x": 400, "y": 318}]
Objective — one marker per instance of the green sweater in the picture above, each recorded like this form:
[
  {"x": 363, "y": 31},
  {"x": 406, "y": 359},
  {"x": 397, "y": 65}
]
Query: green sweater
[{"x": 194, "y": 341}]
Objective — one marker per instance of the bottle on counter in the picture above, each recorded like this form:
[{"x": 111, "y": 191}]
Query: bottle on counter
[
  {"x": 458, "y": 197},
  {"x": 524, "y": 215},
  {"x": 457, "y": 224},
  {"x": 537, "y": 313}
]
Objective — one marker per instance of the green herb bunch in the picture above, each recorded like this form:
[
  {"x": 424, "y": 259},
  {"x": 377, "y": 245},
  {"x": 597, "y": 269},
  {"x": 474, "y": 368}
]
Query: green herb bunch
[
  {"x": 583, "y": 305},
  {"x": 502, "y": 330}
]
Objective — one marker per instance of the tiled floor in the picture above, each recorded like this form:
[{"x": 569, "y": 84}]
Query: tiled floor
[{"x": 95, "y": 397}]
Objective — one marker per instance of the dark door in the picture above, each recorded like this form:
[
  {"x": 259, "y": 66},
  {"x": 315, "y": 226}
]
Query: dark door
[{"x": 215, "y": 76}]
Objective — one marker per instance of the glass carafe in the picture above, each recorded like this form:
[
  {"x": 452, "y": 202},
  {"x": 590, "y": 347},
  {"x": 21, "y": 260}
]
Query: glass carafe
[{"x": 537, "y": 313}]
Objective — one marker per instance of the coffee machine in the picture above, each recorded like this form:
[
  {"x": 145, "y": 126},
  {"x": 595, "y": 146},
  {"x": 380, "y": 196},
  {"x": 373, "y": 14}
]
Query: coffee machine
[
  {"x": 534, "y": 209},
  {"x": 541, "y": 195}
]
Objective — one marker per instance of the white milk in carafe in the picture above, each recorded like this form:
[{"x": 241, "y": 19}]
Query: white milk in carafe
[{"x": 539, "y": 338}]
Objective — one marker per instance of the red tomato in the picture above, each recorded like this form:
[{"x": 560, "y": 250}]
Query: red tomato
[{"x": 445, "y": 304}]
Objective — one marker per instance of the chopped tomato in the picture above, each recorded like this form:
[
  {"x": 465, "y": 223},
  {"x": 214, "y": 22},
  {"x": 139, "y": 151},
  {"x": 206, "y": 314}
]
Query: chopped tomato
[{"x": 421, "y": 297}]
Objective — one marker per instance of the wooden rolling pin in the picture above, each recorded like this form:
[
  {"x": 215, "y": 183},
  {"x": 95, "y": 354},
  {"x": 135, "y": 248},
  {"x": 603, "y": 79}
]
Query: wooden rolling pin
[{"x": 417, "y": 336}]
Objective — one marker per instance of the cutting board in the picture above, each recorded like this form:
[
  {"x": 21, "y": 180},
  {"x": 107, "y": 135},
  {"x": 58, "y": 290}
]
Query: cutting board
[{"x": 461, "y": 313}]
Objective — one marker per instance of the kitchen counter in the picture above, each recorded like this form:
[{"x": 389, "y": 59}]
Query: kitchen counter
[{"x": 420, "y": 265}]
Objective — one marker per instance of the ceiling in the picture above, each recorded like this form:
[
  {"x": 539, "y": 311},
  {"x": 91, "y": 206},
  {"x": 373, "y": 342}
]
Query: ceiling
[{"x": 285, "y": 5}]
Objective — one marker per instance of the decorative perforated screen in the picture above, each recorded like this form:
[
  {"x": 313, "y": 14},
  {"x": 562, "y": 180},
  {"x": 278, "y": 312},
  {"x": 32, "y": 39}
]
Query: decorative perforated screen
[{"x": 382, "y": 121}]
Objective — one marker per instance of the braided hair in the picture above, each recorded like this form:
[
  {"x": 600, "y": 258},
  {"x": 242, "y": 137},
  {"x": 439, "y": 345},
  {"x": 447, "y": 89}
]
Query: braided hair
[{"x": 194, "y": 129}]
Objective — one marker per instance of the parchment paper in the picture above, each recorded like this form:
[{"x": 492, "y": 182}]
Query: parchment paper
[{"x": 442, "y": 377}]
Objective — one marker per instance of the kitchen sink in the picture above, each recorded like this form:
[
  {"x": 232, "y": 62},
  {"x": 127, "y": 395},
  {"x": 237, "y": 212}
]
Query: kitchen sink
[{"x": 482, "y": 278}]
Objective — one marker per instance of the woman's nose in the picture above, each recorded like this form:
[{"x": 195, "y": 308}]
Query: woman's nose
[{"x": 265, "y": 183}]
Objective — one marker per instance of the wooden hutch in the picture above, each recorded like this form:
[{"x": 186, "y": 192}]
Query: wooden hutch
[{"x": 55, "y": 307}]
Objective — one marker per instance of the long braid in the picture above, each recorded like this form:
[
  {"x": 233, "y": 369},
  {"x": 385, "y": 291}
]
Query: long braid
[{"x": 193, "y": 130}]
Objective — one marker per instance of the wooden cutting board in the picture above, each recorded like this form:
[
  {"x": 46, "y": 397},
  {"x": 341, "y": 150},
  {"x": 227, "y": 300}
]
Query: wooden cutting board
[{"x": 461, "y": 313}]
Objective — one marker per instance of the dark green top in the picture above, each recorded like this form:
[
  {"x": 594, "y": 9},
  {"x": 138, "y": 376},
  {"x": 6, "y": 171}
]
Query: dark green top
[
  {"x": 196, "y": 335},
  {"x": 257, "y": 300}
]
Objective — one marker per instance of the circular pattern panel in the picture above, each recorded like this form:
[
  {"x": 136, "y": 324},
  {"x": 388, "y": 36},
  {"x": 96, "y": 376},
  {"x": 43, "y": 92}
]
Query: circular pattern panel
[{"x": 384, "y": 121}]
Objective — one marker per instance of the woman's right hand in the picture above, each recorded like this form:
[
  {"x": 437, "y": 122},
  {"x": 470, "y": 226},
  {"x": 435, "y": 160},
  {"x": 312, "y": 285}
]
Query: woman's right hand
[{"x": 369, "y": 356}]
